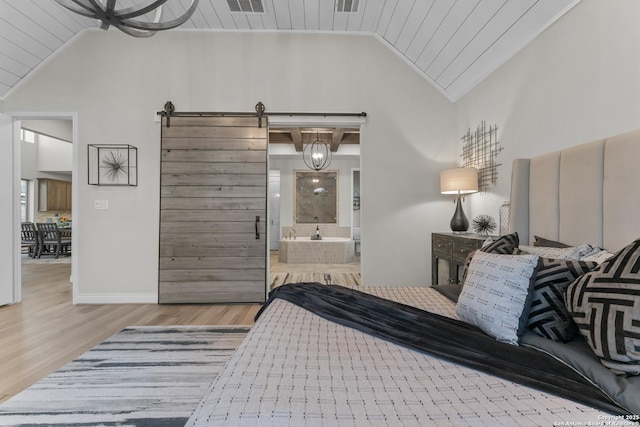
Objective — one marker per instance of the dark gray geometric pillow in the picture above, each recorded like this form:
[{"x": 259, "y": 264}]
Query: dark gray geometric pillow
[
  {"x": 505, "y": 245},
  {"x": 605, "y": 304},
  {"x": 541, "y": 241},
  {"x": 548, "y": 316},
  {"x": 465, "y": 270}
]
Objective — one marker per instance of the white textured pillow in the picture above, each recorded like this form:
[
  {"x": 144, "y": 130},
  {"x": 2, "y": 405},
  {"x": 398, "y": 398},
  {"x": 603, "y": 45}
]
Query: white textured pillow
[
  {"x": 496, "y": 296},
  {"x": 599, "y": 256},
  {"x": 572, "y": 252}
]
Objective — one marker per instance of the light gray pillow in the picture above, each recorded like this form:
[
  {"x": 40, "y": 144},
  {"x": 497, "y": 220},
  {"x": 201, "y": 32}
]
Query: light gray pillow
[
  {"x": 496, "y": 296},
  {"x": 599, "y": 256},
  {"x": 572, "y": 252}
]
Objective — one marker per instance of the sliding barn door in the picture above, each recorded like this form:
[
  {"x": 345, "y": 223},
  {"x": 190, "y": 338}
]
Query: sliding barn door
[{"x": 213, "y": 205}]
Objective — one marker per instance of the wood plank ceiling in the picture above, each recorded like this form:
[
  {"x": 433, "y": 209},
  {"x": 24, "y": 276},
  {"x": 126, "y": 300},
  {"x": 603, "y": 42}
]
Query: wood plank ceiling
[{"x": 453, "y": 44}]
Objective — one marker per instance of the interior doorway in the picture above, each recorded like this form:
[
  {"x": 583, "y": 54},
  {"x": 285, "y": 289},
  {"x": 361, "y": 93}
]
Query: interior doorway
[
  {"x": 48, "y": 156},
  {"x": 287, "y": 139}
]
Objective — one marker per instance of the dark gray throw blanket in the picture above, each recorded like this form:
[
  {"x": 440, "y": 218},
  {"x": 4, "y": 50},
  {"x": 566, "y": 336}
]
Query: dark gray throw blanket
[{"x": 443, "y": 337}]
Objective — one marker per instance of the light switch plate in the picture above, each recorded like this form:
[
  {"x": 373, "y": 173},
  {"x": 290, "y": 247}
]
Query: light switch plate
[{"x": 101, "y": 204}]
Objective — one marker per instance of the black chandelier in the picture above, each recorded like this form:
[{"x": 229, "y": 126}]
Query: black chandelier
[
  {"x": 124, "y": 19},
  {"x": 317, "y": 155}
]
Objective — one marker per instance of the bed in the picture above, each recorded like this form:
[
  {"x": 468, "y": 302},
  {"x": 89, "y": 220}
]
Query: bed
[{"x": 325, "y": 355}]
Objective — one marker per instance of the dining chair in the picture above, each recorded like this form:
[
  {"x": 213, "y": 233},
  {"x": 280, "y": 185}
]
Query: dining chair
[
  {"x": 51, "y": 239},
  {"x": 29, "y": 235}
]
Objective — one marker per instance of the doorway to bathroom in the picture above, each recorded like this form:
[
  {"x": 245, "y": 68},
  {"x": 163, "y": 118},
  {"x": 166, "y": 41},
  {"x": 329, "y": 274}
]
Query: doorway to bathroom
[{"x": 286, "y": 164}]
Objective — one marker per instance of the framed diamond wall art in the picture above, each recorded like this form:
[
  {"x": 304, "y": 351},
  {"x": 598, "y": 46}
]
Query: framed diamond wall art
[{"x": 113, "y": 164}]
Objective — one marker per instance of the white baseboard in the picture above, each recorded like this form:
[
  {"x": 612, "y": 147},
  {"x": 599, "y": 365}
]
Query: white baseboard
[{"x": 116, "y": 299}]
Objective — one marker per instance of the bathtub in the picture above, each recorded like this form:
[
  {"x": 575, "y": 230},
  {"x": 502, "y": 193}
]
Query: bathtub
[{"x": 329, "y": 250}]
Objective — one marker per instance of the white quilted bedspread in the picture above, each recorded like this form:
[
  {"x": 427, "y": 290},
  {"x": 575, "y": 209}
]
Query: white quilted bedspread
[{"x": 295, "y": 369}]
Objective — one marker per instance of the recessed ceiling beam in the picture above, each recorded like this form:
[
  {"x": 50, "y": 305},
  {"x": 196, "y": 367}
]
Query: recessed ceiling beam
[
  {"x": 336, "y": 139},
  {"x": 299, "y": 137},
  {"x": 351, "y": 138},
  {"x": 296, "y": 137}
]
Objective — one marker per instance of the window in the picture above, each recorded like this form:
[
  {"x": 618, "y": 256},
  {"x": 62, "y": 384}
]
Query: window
[
  {"x": 27, "y": 136},
  {"x": 24, "y": 200}
]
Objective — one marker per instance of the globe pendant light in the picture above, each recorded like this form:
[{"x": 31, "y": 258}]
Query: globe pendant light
[{"x": 317, "y": 155}]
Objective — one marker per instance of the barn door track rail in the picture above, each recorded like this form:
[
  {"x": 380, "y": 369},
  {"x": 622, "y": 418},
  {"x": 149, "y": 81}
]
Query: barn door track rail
[{"x": 260, "y": 111}]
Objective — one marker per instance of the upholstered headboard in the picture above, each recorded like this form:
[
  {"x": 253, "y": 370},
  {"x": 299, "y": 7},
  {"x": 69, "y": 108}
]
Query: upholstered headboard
[{"x": 584, "y": 194}]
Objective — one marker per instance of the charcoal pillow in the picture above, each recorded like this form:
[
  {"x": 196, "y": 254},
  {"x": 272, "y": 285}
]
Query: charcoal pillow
[
  {"x": 605, "y": 304},
  {"x": 548, "y": 316},
  {"x": 465, "y": 270},
  {"x": 541, "y": 241},
  {"x": 504, "y": 245},
  {"x": 496, "y": 295}
]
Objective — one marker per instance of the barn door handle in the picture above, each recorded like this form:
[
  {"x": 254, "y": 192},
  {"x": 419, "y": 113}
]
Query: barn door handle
[{"x": 257, "y": 231}]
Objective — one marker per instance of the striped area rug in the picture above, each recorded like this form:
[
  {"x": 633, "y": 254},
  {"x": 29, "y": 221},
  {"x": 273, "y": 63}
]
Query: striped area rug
[
  {"x": 349, "y": 280},
  {"x": 142, "y": 376}
]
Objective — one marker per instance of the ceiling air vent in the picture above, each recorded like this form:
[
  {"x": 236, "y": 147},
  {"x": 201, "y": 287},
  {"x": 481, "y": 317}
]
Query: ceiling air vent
[
  {"x": 347, "y": 5},
  {"x": 246, "y": 6}
]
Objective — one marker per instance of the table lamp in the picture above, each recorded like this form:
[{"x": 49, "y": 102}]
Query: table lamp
[{"x": 459, "y": 181}]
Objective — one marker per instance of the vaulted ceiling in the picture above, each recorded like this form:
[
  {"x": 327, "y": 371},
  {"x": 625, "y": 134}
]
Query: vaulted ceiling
[{"x": 453, "y": 44}]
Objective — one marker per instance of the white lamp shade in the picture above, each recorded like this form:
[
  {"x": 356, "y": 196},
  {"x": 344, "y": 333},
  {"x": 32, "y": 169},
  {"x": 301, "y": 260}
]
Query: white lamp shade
[{"x": 459, "y": 181}]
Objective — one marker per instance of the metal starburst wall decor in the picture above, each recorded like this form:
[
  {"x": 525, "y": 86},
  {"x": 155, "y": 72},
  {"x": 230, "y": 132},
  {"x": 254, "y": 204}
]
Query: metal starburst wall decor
[
  {"x": 484, "y": 224},
  {"x": 114, "y": 164}
]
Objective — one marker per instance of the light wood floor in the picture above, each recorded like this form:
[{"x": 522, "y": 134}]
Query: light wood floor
[{"x": 45, "y": 330}]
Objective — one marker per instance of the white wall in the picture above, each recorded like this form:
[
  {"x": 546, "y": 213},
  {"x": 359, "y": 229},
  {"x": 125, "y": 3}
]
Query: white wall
[
  {"x": 30, "y": 169},
  {"x": 56, "y": 165},
  {"x": 28, "y": 160},
  {"x": 116, "y": 82},
  {"x": 59, "y": 129},
  {"x": 577, "y": 82},
  {"x": 54, "y": 155}
]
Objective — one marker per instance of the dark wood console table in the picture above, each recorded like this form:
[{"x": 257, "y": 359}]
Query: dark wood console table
[{"x": 453, "y": 248}]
